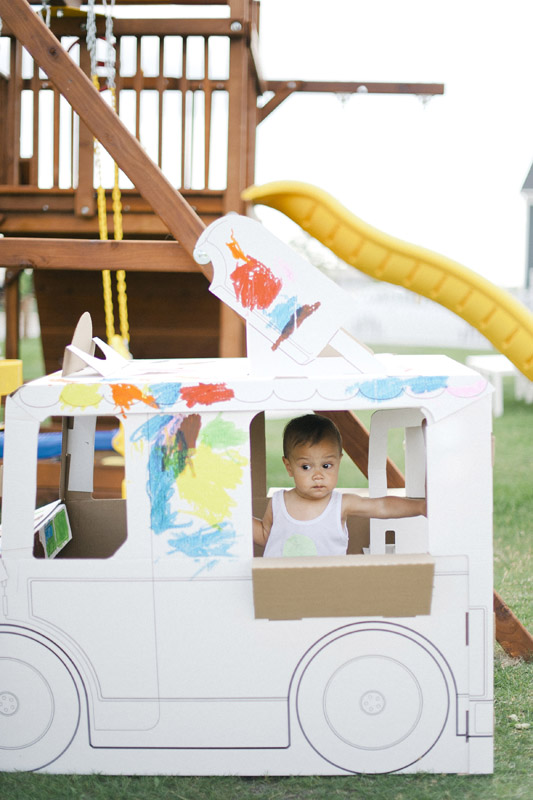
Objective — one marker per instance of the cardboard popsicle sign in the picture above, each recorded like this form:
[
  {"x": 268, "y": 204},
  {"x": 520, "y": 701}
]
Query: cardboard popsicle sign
[{"x": 296, "y": 309}]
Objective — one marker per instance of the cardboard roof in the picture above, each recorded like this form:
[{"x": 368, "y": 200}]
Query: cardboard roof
[{"x": 435, "y": 383}]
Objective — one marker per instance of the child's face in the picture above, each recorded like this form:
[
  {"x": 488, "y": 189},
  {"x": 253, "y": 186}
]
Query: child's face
[{"x": 314, "y": 468}]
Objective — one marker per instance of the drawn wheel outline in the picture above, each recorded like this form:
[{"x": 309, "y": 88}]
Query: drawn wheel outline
[
  {"x": 42, "y": 709},
  {"x": 318, "y": 734}
]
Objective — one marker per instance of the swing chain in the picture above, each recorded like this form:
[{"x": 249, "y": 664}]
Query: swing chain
[
  {"x": 119, "y": 342},
  {"x": 110, "y": 50},
  {"x": 46, "y": 11},
  {"x": 91, "y": 39}
]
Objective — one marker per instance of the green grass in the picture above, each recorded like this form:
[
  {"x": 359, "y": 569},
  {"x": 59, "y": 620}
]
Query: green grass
[
  {"x": 31, "y": 353},
  {"x": 512, "y": 778}
]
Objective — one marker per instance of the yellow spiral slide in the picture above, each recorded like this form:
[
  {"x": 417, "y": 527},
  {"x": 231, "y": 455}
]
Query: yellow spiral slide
[{"x": 494, "y": 312}]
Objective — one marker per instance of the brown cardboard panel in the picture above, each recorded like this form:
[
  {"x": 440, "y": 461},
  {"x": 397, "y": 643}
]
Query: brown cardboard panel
[
  {"x": 98, "y": 527},
  {"x": 359, "y": 534},
  {"x": 343, "y": 586}
]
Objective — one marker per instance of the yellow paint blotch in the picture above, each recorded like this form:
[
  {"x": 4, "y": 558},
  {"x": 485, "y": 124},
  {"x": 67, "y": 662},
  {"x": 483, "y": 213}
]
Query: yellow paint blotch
[
  {"x": 206, "y": 480},
  {"x": 79, "y": 395}
]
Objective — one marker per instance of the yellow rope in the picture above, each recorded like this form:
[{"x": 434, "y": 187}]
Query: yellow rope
[
  {"x": 118, "y": 234},
  {"x": 120, "y": 343}
]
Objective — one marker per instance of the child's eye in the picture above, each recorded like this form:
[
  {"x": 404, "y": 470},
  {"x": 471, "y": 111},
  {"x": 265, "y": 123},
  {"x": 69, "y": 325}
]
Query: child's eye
[
  {"x": 306, "y": 466},
  {"x": 327, "y": 466}
]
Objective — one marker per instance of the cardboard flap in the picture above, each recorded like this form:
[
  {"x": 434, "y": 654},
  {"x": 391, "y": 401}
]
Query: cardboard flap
[
  {"x": 343, "y": 586},
  {"x": 295, "y": 307}
]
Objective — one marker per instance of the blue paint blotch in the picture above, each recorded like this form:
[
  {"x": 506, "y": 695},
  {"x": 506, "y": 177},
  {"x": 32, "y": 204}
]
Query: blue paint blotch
[
  {"x": 207, "y": 542},
  {"x": 383, "y": 389},
  {"x": 165, "y": 394},
  {"x": 283, "y": 312}
]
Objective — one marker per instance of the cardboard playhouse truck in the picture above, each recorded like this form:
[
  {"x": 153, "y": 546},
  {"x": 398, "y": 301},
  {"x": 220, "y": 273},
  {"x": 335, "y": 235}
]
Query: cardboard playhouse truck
[{"x": 141, "y": 635}]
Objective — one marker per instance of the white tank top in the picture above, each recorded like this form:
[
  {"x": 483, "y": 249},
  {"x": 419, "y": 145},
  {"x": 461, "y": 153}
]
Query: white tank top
[{"x": 323, "y": 536}]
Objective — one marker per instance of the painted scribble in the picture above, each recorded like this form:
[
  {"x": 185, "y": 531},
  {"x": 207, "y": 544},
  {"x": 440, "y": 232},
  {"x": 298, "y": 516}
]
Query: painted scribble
[
  {"x": 172, "y": 440},
  {"x": 79, "y": 395},
  {"x": 165, "y": 395},
  {"x": 382, "y": 389},
  {"x": 206, "y": 479},
  {"x": 205, "y": 542},
  {"x": 126, "y": 394},
  {"x": 192, "y": 473},
  {"x": 222, "y": 433},
  {"x": 206, "y": 394},
  {"x": 255, "y": 284},
  {"x": 302, "y": 313},
  {"x": 282, "y": 312}
]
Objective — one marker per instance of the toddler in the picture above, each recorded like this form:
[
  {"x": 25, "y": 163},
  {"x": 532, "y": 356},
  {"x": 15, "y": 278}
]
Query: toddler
[{"x": 310, "y": 519}]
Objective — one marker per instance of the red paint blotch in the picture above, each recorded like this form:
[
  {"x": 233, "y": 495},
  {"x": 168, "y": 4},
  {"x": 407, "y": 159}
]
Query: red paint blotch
[
  {"x": 255, "y": 284},
  {"x": 206, "y": 394}
]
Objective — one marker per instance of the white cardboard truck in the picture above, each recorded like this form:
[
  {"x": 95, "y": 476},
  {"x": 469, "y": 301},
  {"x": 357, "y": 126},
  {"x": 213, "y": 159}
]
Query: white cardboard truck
[{"x": 151, "y": 640}]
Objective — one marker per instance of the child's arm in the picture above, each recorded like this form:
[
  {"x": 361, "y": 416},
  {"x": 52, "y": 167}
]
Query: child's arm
[
  {"x": 261, "y": 527},
  {"x": 389, "y": 507}
]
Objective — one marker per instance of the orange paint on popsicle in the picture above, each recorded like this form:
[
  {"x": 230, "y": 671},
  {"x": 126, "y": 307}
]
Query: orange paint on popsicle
[{"x": 125, "y": 394}]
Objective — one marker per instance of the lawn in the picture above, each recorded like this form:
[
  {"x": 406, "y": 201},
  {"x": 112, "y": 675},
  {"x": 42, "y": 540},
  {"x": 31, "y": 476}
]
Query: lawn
[{"x": 512, "y": 778}]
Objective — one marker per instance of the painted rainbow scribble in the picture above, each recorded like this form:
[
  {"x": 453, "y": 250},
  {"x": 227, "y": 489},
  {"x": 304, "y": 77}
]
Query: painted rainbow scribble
[
  {"x": 192, "y": 473},
  {"x": 170, "y": 446},
  {"x": 255, "y": 284},
  {"x": 206, "y": 394}
]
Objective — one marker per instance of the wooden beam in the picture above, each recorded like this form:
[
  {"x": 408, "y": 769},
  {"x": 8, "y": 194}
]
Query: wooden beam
[
  {"x": 283, "y": 89},
  {"x": 75, "y": 26},
  {"x": 176, "y": 213},
  {"x": 93, "y": 254},
  {"x": 77, "y": 3},
  {"x": 360, "y": 87},
  {"x": 515, "y": 639},
  {"x": 59, "y": 3},
  {"x": 277, "y": 98}
]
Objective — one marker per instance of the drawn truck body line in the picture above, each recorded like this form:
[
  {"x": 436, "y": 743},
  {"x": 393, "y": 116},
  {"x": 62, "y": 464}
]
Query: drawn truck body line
[
  {"x": 494, "y": 312},
  {"x": 153, "y": 641}
]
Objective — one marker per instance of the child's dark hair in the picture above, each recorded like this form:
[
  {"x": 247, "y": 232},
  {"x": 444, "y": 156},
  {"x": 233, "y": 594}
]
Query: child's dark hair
[{"x": 309, "y": 429}]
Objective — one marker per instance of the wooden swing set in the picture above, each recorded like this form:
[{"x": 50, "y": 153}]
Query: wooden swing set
[{"x": 61, "y": 233}]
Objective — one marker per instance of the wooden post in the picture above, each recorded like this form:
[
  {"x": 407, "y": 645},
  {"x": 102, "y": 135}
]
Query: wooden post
[
  {"x": 232, "y": 333},
  {"x": 85, "y": 199},
  {"x": 12, "y": 126},
  {"x": 12, "y": 309},
  {"x": 4, "y": 118}
]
